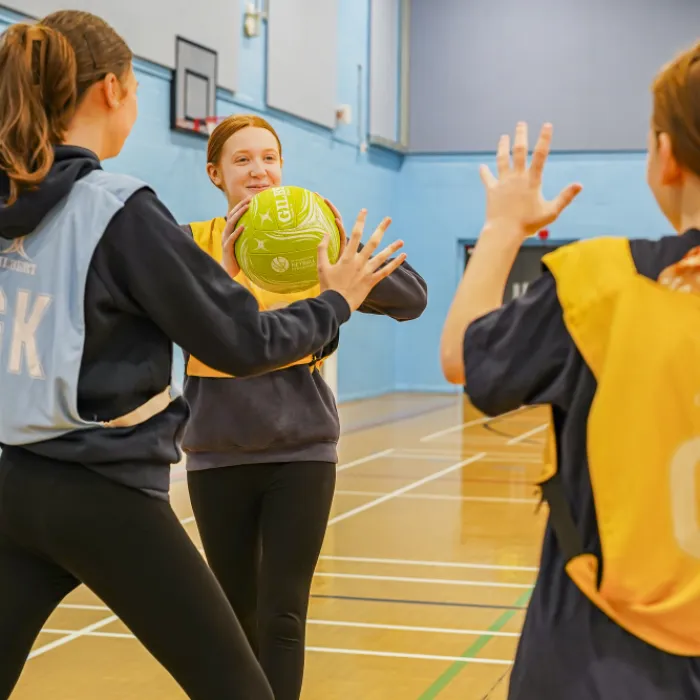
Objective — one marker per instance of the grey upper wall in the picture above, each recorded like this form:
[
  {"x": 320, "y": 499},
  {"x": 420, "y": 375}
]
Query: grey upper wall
[
  {"x": 478, "y": 66},
  {"x": 150, "y": 26},
  {"x": 384, "y": 69},
  {"x": 302, "y": 59}
]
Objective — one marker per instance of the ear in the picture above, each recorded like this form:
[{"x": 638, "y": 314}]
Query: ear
[
  {"x": 214, "y": 175},
  {"x": 113, "y": 91},
  {"x": 671, "y": 171},
  {"x": 281, "y": 162}
]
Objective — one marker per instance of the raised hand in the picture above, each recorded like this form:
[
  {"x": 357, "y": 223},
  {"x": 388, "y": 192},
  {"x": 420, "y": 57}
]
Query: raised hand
[
  {"x": 357, "y": 272},
  {"x": 515, "y": 196}
]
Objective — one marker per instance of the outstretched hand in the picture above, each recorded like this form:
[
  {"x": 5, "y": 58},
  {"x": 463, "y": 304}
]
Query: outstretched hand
[
  {"x": 357, "y": 272},
  {"x": 515, "y": 196}
]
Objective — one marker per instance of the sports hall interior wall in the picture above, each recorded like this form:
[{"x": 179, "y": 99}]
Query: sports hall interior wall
[
  {"x": 575, "y": 64},
  {"x": 436, "y": 200},
  {"x": 174, "y": 164}
]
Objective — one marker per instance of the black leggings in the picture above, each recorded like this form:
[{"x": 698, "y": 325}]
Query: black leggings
[
  {"x": 61, "y": 525},
  {"x": 262, "y": 527}
]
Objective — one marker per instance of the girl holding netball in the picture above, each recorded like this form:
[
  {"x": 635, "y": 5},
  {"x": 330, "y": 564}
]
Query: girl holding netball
[
  {"x": 96, "y": 282},
  {"x": 262, "y": 452},
  {"x": 607, "y": 338}
]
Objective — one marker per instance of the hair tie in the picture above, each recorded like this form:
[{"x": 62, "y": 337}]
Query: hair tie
[{"x": 35, "y": 40}]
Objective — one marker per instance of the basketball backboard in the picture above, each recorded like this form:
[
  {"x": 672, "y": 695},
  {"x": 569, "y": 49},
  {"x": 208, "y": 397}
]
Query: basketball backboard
[{"x": 193, "y": 92}]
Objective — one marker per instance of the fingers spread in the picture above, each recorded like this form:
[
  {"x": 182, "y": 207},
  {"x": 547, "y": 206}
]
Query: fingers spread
[
  {"x": 503, "y": 155},
  {"x": 356, "y": 234},
  {"x": 520, "y": 148},
  {"x": 566, "y": 196},
  {"x": 487, "y": 176},
  {"x": 380, "y": 258},
  {"x": 391, "y": 266},
  {"x": 376, "y": 238},
  {"x": 541, "y": 153}
]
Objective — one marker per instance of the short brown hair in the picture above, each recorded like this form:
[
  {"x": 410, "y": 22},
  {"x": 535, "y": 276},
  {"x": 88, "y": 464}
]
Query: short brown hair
[
  {"x": 45, "y": 70},
  {"x": 676, "y": 92},
  {"x": 228, "y": 127}
]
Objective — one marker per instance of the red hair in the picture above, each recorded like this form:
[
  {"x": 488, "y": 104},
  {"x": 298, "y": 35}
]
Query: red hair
[{"x": 228, "y": 127}]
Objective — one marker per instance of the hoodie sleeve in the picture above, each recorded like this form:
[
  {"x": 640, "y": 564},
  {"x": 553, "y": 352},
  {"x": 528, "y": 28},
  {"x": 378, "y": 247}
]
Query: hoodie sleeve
[
  {"x": 403, "y": 295},
  {"x": 151, "y": 268}
]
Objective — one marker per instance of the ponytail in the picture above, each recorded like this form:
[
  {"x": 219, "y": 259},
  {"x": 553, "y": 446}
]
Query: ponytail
[{"x": 38, "y": 95}]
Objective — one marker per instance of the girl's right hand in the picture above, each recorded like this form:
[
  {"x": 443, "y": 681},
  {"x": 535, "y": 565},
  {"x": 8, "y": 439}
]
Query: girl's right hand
[{"x": 230, "y": 236}]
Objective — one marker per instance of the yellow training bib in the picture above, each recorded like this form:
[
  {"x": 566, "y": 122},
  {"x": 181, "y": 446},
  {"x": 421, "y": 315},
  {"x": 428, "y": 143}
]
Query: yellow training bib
[
  {"x": 641, "y": 340},
  {"x": 208, "y": 236}
]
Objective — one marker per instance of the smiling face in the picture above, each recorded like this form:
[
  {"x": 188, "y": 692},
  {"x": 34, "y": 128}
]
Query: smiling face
[{"x": 250, "y": 162}]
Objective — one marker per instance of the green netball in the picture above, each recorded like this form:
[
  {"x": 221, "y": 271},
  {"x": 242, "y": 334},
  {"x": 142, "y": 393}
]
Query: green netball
[{"x": 283, "y": 227}]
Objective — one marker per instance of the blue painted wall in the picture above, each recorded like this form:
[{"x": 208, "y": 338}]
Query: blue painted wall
[
  {"x": 315, "y": 158},
  {"x": 436, "y": 201},
  {"x": 442, "y": 203}
]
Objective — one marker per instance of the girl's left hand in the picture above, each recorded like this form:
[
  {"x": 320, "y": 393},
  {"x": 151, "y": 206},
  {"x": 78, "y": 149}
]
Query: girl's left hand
[
  {"x": 230, "y": 235},
  {"x": 514, "y": 198},
  {"x": 339, "y": 224}
]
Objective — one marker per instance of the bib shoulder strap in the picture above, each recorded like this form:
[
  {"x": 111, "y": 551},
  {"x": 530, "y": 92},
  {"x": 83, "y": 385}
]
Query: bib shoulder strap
[
  {"x": 588, "y": 270},
  {"x": 589, "y": 277},
  {"x": 118, "y": 185},
  {"x": 207, "y": 235}
]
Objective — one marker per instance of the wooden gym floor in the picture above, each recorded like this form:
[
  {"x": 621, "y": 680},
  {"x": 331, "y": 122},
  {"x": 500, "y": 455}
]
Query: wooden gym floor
[{"x": 420, "y": 592}]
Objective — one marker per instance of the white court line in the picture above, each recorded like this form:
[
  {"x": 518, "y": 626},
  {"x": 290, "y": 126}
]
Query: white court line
[
  {"x": 339, "y": 518},
  {"x": 444, "y": 497},
  {"x": 368, "y": 458},
  {"x": 456, "y": 453},
  {"x": 469, "y": 424},
  {"x": 73, "y": 636},
  {"x": 529, "y": 458},
  {"x": 515, "y": 461},
  {"x": 426, "y": 457},
  {"x": 335, "y": 623},
  {"x": 397, "y": 655},
  {"x": 404, "y": 489},
  {"x": 362, "y": 460},
  {"x": 106, "y": 635},
  {"x": 349, "y": 465},
  {"x": 411, "y": 628},
  {"x": 76, "y": 606},
  {"x": 423, "y": 657},
  {"x": 414, "y": 562},
  {"x": 417, "y": 579},
  {"x": 485, "y": 441},
  {"x": 383, "y": 654},
  {"x": 519, "y": 438}
]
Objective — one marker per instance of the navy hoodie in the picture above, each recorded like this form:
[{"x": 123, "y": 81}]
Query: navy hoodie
[
  {"x": 147, "y": 286},
  {"x": 284, "y": 416}
]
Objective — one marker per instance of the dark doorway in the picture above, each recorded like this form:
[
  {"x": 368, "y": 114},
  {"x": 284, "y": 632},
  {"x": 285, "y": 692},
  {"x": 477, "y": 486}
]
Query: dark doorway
[{"x": 526, "y": 269}]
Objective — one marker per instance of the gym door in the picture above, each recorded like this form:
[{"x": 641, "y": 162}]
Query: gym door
[{"x": 526, "y": 269}]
